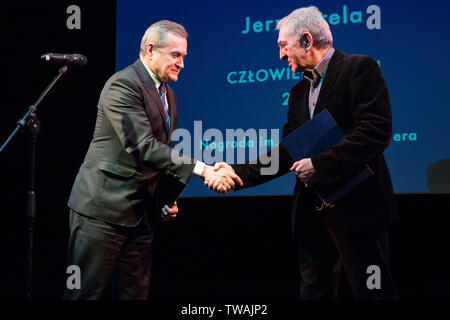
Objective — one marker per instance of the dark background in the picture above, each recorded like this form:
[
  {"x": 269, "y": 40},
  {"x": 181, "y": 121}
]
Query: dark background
[{"x": 235, "y": 248}]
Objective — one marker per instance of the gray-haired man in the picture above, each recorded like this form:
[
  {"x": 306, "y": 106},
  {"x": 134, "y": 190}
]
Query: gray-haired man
[{"x": 352, "y": 235}]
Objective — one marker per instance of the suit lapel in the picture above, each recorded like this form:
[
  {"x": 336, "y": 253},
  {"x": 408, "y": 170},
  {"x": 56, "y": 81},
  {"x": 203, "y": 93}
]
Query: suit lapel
[
  {"x": 150, "y": 87},
  {"x": 330, "y": 77}
]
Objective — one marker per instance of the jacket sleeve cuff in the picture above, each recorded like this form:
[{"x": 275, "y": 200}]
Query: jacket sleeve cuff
[{"x": 198, "y": 169}]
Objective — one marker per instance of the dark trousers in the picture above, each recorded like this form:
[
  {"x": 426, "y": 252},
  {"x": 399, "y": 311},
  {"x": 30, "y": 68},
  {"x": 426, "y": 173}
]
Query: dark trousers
[
  {"x": 100, "y": 250},
  {"x": 324, "y": 254}
]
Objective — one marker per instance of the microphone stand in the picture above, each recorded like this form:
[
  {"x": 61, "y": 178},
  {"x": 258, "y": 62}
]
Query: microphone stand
[{"x": 31, "y": 122}]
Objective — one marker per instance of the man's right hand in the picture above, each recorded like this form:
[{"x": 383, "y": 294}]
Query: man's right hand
[{"x": 220, "y": 178}]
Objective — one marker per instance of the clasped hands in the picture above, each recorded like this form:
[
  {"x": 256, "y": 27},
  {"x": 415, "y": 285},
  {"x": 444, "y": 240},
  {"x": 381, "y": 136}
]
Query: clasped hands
[{"x": 221, "y": 177}]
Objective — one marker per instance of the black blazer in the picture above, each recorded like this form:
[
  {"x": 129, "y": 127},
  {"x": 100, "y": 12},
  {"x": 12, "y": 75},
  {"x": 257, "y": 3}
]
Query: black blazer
[
  {"x": 355, "y": 94},
  {"x": 118, "y": 180}
]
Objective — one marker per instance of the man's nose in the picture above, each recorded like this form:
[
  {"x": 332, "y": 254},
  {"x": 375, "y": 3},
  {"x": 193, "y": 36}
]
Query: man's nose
[
  {"x": 180, "y": 63},
  {"x": 283, "y": 55}
]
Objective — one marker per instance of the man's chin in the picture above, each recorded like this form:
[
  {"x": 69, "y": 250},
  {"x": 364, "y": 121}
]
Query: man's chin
[
  {"x": 173, "y": 78},
  {"x": 293, "y": 68}
]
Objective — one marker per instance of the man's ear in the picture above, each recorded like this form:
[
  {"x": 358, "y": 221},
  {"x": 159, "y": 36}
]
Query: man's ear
[
  {"x": 306, "y": 41},
  {"x": 150, "y": 49}
]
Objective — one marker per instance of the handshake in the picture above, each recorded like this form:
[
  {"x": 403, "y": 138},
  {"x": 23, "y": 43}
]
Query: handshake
[{"x": 220, "y": 177}]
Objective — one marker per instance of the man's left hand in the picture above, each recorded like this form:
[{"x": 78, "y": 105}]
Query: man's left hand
[
  {"x": 169, "y": 213},
  {"x": 303, "y": 169}
]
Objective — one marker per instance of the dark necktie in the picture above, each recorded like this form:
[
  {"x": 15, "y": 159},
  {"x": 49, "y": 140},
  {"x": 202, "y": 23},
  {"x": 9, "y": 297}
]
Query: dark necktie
[
  {"x": 162, "y": 95},
  {"x": 314, "y": 77},
  {"x": 317, "y": 78}
]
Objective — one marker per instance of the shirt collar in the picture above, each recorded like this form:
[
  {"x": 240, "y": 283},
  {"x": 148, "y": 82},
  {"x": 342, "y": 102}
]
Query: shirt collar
[
  {"x": 321, "y": 67},
  {"x": 152, "y": 75}
]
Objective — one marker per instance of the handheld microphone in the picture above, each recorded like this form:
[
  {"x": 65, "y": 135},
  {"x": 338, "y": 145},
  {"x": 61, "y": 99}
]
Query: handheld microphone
[{"x": 75, "y": 58}]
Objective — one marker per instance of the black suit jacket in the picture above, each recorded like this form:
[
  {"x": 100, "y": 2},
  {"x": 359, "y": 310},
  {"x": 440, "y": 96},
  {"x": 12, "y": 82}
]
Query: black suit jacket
[
  {"x": 129, "y": 153},
  {"x": 355, "y": 94}
]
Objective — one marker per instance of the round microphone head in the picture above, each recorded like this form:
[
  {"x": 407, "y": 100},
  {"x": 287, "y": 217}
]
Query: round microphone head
[
  {"x": 46, "y": 57},
  {"x": 80, "y": 59}
]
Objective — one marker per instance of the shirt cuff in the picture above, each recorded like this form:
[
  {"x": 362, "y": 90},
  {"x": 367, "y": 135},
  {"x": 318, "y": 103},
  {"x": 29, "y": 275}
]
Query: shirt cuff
[{"x": 198, "y": 169}]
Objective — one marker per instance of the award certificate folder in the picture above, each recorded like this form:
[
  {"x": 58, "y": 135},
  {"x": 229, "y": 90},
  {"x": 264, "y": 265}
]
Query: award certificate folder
[
  {"x": 169, "y": 190},
  {"x": 318, "y": 135}
]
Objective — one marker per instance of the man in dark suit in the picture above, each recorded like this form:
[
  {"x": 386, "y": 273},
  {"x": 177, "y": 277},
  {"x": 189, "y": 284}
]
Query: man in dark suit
[
  {"x": 353, "y": 233},
  {"x": 116, "y": 198}
]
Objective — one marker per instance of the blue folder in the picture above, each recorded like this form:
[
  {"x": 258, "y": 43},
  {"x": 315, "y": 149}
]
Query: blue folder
[{"x": 318, "y": 135}]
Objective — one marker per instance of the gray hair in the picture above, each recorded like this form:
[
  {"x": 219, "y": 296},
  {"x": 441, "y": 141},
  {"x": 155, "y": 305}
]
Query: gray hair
[
  {"x": 157, "y": 32},
  {"x": 310, "y": 20}
]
